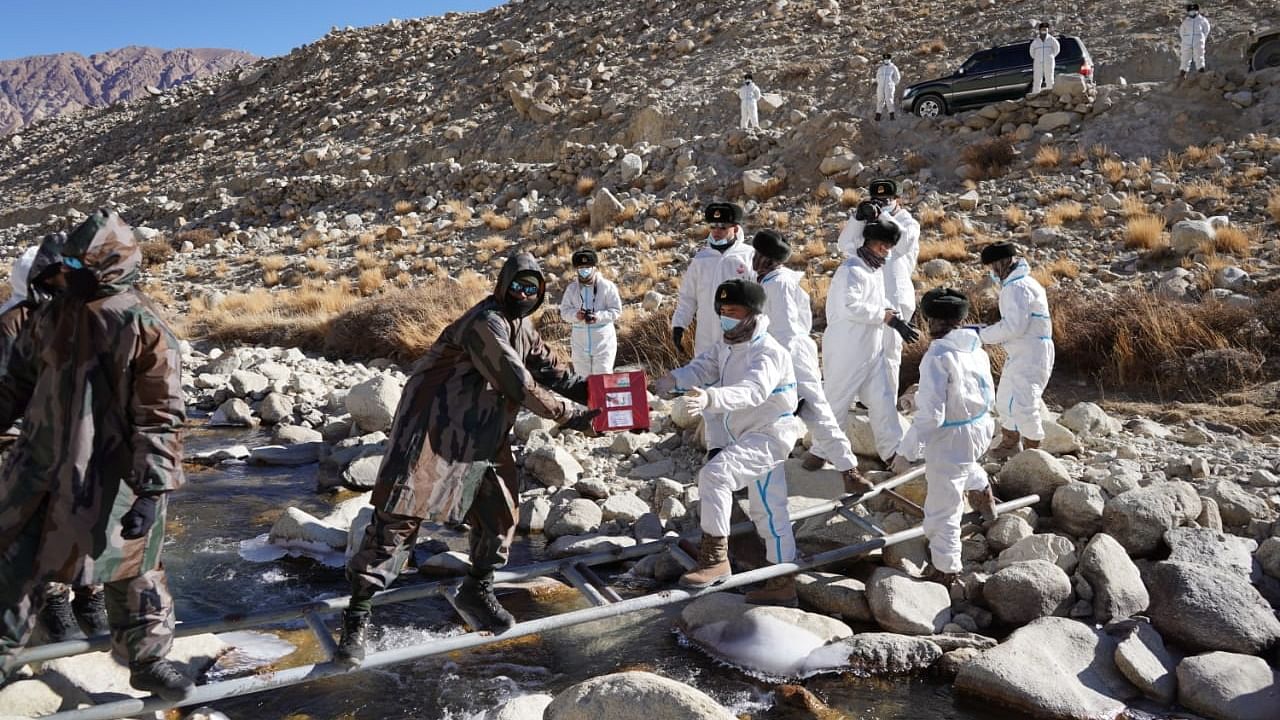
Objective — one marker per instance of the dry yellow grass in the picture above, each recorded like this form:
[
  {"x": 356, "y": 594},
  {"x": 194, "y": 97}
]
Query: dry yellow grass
[
  {"x": 1196, "y": 155},
  {"x": 1132, "y": 206},
  {"x": 221, "y": 269},
  {"x": 585, "y": 185},
  {"x": 461, "y": 211},
  {"x": 931, "y": 47},
  {"x": 1203, "y": 190},
  {"x": 403, "y": 207},
  {"x": 604, "y": 240},
  {"x": 1144, "y": 231},
  {"x": 812, "y": 213},
  {"x": 663, "y": 211},
  {"x": 1113, "y": 170},
  {"x": 1096, "y": 214},
  {"x": 273, "y": 263},
  {"x": 1063, "y": 212},
  {"x": 1047, "y": 157},
  {"x": 1273, "y": 206},
  {"x": 779, "y": 219},
  {"x": 1232, "y": 240},
  {"x": 952, "y": 228},
  {"x": 191, "y": 272},
  {"x": 492, "y": 243},
  {"x": 915, "y": 161},
  {"x": 367, "y": 261},
  {"x": 931, "y": 215},
  {"x": 1014, "y": 215},
  {"x": 494, "y": 221},
  {"x": 312, "y": 239},
  {"x": 952, "y": 249},
  {"x": 850, "y": 198},
  {"x": 665, "y": 242},
  {"x": 1172, "y": 162},
  {"x": 1048, "y": 275},
  {"x": 813, "y": 249},
  {"x": 370, "y": 281},
  {"x": 318, "y": 266}
]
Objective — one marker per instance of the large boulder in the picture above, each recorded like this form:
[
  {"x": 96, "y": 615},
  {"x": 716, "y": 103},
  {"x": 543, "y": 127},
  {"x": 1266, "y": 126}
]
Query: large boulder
[
  {"x": 1042, "y": 546},
  {"x": 862, "y": 436},
  {"x": 1212, "y": 548},
  {"x": 1139, "y": 518},
  {"x": 1026, "y": 591},
  {"x": 884, "y": 653},
  {"x": 1268, "y": 556},
  {"x": 1236, "y": 506},
  {"x": 577, "y": 517},
  {"x": 1078, "y": 508},
  {"x": 903, "y": 604},
  {"x": 1144, "y": 660},
  {"x": 1117, "y": 586},
  {"x": 1032, "y": 472},
  {"x": 1054, "y": 668},
  {"x": 1202, "y": 608},
  {"x": 624, "y": 507},
  {"x": 1229, "y": 686},
  {"x": 372, "y": 403},
  {"x": 1188, "y": 236},
  {"x": 524, "y": 707},
  {"x": 1007, "y": 531},
  {"x": 554, "y": 466},
  {"x": 835, "y": 595},
  {"x": 633, "y": 696},
  {"x": 1088, "y": 420}
]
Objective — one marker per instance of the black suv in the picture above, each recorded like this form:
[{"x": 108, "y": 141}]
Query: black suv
[{"x": 989, "y": 76}]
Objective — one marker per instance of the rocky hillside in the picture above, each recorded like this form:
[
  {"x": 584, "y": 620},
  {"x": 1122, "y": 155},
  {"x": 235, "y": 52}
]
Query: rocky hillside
[{"x": 44, "y": 86}]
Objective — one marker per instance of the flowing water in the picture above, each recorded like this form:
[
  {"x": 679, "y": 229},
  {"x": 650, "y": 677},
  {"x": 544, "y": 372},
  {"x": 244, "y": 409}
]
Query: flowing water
[{"x": 222, "y": 506}]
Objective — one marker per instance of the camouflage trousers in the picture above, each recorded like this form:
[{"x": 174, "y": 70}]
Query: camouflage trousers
[
  {"x": 389, "y": 539},
  {"x": 139, "y": 609}
]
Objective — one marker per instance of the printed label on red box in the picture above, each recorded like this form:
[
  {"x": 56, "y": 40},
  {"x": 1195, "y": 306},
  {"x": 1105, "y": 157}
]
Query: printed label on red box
[
  {"x": 620, "y": 418},
  {"x": 614, "y": 399}
]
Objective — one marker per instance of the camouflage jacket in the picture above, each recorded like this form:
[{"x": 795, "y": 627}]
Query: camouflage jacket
[
  {"x": 97, "y": 379},
  {"x": 455, "y": 416},
  {"x": 27, "y": 296}
]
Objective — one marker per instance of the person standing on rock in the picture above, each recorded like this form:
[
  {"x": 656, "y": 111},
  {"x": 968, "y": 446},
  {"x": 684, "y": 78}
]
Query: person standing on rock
[
  {"x": 591, "y": 304},
  {"x": 726, "y": 257},
  {"x": 790, "y": 322},
  {"x": 1193, "y": 35},
  {"x": 97, "y": 379},
  {"x": 1044, "y": 57},
  {"x": 855, "y": 361},
  {"x": 887, "y": 79},
  {"x": 749, "y": 99},
  {"x": 745, "y": 389},
  {"x": 952, "y": 428},
  {"x": 1025, "y": 331},
  {"x": 36, "y": 278},
  {"x": 449, "y": 454}
]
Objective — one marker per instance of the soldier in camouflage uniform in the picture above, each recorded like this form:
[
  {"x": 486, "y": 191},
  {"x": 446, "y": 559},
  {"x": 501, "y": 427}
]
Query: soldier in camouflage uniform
[
  {"x": 96, "y": 378},
  {"x": 34, "y": 279},
  {"x": 450, "y": 452}
]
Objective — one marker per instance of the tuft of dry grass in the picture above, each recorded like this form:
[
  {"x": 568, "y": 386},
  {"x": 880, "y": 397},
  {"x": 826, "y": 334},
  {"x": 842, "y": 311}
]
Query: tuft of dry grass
[
  {"x": 1145, "y": 232},
  {"x": 989, "y": 158},
  {"x": 1048, "y": 275},
  {"x": 367, "y": 261},
  {"x": 494, "y": 221},
  {"x": 312, "y": 239},
  {"x": 191, "y": 272},
  {"x": 812, "y": 250},
  {"x": 931, "y": 215},
  {"x": 403, "y": 207},
  {"x": 370, "y": 281},
  {"x": 812, "y": 213},
  {"x": 318, "y": 266},
  {"x": 952, "y": 228},
  {"x": 461, "y": 211},
  {"x": 644, "y": 339},
  {"x": 1014, "y": 215},
  {"x": 1063, "y": 212},
  {"x": 156, "y": 252},
  {"x": 1047, "y": 157},
  {"x": 952, "y": 249},
  {"x": 272, "y": 263},
  {"x": 931, "y": 47},
  {"x": 915, "y": 161},
  {"x": 1132, "y": 206},
  {"x": 1113, "y": 170},
  {"x": 198, "y": 237},
  {"x": 1203, "y": 190},
  {"x": 585, "y": 185},
  {"x": 1232, "y": 240},
  {"x": 850, "y": 198},
  {"x": 603, "y": 240}
]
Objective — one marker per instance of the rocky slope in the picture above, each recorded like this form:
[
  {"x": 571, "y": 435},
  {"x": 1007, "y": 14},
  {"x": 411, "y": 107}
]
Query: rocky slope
[{"x": 44, "y": 86}]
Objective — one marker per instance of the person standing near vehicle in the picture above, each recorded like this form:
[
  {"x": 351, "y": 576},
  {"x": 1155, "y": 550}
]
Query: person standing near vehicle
[
  {"x": 591, "y": 304},
  {"x": 749, "y": 98},
  {"x": 1193, "y": 34},
  {"x": 887, "y": 79},
  {"x": 1044, "y": 56}
]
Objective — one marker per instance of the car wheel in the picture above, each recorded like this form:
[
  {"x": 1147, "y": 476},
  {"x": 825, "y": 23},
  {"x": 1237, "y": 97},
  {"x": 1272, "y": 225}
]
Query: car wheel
[
  {"x": 1267, "y": 55},
  {"x": 930, "y": 106}
]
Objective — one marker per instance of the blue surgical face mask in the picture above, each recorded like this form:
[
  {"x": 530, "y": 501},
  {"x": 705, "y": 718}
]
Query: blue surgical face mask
[
  {"x": 728, "y": 323},
  {"x": 994, "y": 277},
  {"x": 585, "y": 273}
]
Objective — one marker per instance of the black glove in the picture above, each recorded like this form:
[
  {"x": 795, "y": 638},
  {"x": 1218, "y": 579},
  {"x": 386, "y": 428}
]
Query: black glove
[
  {"x": 677, "y": 336},
  {"x": 141, "y": 516},
  {"x": 800, "y": 406},
  {"x": 908, "y": 333},
  {"x": 580, "y": 421},
  {"x": 866, "y": 211},
  {"x": 590, "y": 317}
]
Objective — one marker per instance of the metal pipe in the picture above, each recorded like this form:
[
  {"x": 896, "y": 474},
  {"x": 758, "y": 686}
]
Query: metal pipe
[
  {"x": 204, "y": 694},
  {"x": 589, "y": 591},
  {"x": 232, "y": 622}
]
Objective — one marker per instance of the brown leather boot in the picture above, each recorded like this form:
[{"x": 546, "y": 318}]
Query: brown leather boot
[
  {"x": 933, "y": 574},
  {"x": 813, "y": 463},
  {"x": 780, "y": 591},
  {"x": 1029, "y": 444},
  {"x": 984, "y": 501},
  {"x": 713, "y": 563},
  {"x": 1010, "y": 445},
  {"x": 855, "y": 483}
]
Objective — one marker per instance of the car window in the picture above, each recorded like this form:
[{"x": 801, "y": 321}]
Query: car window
[
  {"x": 1071, "y": 49},
  {"x": 974, "y": 62},
  {"x": 1012, "y": 56}
]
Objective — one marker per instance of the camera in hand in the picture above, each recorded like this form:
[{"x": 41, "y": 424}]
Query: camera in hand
[
  {"x": 868, "y": 210},
  {"x": 590, "y": 317}
]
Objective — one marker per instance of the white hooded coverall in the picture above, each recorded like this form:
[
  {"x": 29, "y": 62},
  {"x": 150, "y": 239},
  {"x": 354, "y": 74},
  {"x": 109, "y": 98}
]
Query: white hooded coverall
[
  {"x": 790, "y": 322},
  {"x": 697, "y": 301},
  {"x": 1044, "y": 55},
  {"x": 751, "y": 400},
  {"x": 1025, "y": 331},
  {"x": 595, "y": 345},
  {"x": 953, "y": 427},
  {"x": 749, "y": 96},
  {"x": 899, "y": 290},
  {"x": 18, "y": 279},
  {"x": 854, "y": 363},
  {"x": 887, "y": 79},
  {"x": 1194, "y": 33}
]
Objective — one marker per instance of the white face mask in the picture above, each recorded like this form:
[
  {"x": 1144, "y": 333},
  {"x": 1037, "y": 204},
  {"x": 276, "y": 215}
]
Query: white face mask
[{"x": 1193, "y": 13}]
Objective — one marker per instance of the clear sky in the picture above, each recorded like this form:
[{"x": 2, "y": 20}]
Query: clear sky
[{"x": 263, "y": 27}]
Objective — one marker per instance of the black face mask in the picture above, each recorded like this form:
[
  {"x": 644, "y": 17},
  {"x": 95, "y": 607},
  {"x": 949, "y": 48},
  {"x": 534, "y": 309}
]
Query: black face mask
[
  {"x": 82, "y": 283},
  {"x": 518, "y": 306}
]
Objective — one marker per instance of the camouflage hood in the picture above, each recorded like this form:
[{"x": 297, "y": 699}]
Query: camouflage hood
[
  {"x": 106, "y": 246},
  {"x": 47, "y": 255},
  {"x": 517, "y": 264}
]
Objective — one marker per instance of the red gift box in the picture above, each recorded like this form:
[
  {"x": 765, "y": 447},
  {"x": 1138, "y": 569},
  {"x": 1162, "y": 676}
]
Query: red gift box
[{"x": 621, "y": 398}]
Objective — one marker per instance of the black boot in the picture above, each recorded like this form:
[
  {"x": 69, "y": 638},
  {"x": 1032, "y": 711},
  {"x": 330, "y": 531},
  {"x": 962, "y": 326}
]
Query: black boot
[
  {"x": 90, "y": 607},
  {"x": 478, "y": 605},
  {"x": 877, "y": 117},
  {"x": 892, "y": 117},
  {"x": 355, "y": 628},
  {"x": 162, "y": 678},
  {"x": 58, "y": 620}
]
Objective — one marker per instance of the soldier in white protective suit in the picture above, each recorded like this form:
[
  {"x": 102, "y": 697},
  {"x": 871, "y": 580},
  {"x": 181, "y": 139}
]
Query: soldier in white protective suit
[
  {"x": 749, "y": 98},
  {"x": 790, "y": 322},
  {"x": 592, "y": 305},
  {"x": 887, "y": 79},
  {"x": 1193, "y": 34},
  {"x": 727, "y": 256},
  {"x": 854, "y": 362},
  {"x": 953, "y": 427},
  {"x": 745, "y": 390},
  {"x": 1025, "y": 331},
  {"x": 1044, "y": 56}
]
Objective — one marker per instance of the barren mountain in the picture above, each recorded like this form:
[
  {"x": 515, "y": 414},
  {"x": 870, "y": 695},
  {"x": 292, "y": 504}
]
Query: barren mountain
[{"x": 41, "y": 86}]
